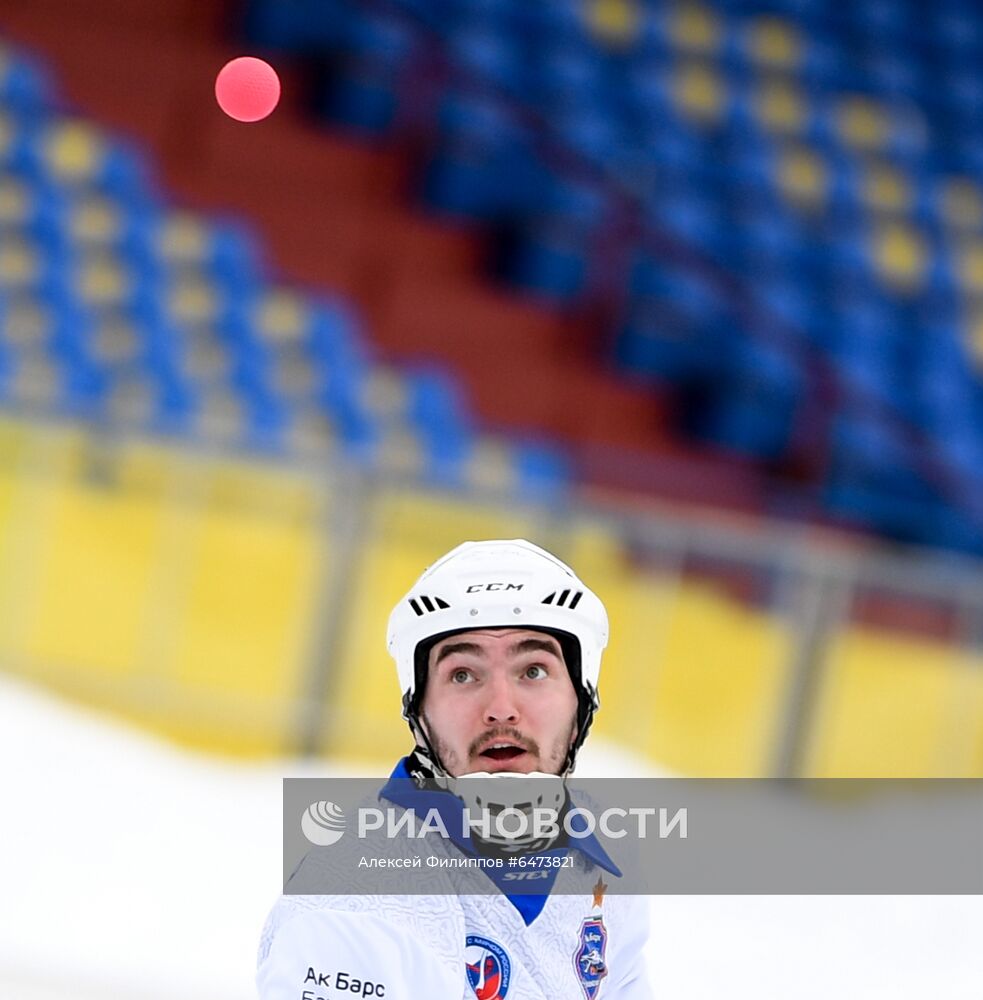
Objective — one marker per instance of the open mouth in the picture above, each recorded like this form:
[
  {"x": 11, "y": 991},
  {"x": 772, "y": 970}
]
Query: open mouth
[{"x": 502, "y": 751}]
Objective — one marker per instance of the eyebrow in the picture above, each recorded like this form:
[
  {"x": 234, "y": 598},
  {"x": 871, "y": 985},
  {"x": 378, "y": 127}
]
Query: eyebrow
[{"x": 523, "y": 646}]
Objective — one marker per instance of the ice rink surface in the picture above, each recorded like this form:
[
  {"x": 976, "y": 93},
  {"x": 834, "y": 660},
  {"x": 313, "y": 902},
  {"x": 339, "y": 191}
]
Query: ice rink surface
[{"x": 132, "y": 870}]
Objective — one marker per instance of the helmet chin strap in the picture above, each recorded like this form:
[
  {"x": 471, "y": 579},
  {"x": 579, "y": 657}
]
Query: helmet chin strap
[{"x": 535, "y": 796}]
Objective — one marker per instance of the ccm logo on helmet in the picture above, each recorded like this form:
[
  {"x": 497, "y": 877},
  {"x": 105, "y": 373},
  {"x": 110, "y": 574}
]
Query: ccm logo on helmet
[{"x": 476, "y": 587}]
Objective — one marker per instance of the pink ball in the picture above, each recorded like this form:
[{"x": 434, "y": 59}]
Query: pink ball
[{"x": 247, "y": 89}]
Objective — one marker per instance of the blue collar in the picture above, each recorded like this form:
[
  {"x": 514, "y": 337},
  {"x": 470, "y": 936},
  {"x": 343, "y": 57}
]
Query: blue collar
[{"x": 402, "y": 791}]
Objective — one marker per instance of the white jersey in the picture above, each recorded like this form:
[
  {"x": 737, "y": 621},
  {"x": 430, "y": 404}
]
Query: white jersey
[{"x": 448, "y": 946}]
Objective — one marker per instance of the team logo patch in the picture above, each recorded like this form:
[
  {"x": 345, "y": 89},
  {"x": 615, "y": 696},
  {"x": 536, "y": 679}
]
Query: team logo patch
[
  {"x": 588, "y": 959},
  {"x": 489, "y": 968}
]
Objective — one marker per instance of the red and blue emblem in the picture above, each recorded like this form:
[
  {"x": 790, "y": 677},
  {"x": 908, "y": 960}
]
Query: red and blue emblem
[
  {"x": 489, "y": 968},
  {"x": 588, "y": 959}
]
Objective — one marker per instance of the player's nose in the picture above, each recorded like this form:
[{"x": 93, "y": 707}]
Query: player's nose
[{"x": 501, "y": 705}]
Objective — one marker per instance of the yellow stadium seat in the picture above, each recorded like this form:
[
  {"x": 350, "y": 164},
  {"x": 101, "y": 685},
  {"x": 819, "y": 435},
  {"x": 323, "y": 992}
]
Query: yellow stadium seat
[
  {"x": 780, "y": 108},
  {"x": 803, "y": 178},
  {"x": 35, "y": 381},
  {"x": 401, "y": 452},
  {"x": 698, "y": 92},
  {"x": 695, "y": 29},
  {"x": 975, "y": 339},
  {"x": 886, "y": 190},
  {"x": 73, "y": 150},
  {"x": 207, "y": 358},
  {"x": 613, "y": 22},
  {"x": 970, "y": 268},
  {"x": 961, "y": 205},
  {"x": 182, "y": 239},
  {"x": 490, "y": 467},
  {"x": 115, "y": 339},
  {"x": 384, "y": 393},
  {"x": 20, "y": 263},
  {"x": 95, "y": 220},
  {"x": 862, "y": 124},
  {"x": 26, "y": 321},
  {"x": 293, "y": 374},
  {"x": 130, "y": 400},
  {"x": 282, "y": 316},
  {"x": 311, "y": 433},
  {"x": 193, "y": 300},
  {"x": 102, "y": 281},
  {"x": 774, "y": 44},
  {"x": 16, "y": 199},
  {"x": 8, "y": 130},
  {"x": 900, "y": 256}
]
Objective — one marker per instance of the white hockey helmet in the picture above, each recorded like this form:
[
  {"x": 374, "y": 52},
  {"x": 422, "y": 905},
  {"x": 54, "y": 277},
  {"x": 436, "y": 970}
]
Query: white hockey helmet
[{"x": 500, "y": 584}]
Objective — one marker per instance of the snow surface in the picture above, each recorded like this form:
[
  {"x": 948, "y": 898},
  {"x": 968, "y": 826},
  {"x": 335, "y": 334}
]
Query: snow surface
[{"x": 133, "y": 870}]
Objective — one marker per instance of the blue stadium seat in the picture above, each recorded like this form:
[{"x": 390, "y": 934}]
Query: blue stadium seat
[
  {"x": 765, "y": 239},
  {"x": 678, "y": 155},
  {"x": 589, "y": 132},
  {"x": 25, "y": 84},
  {"x": 551, "y": 252},
  {"x": 482, "y": 165},
  {"x": 673, "y": 327},
  {"x": 296, "y": 25},
  {"x": 543, "y": 472},
  {"x": 955, "y": 29},
  {"x": 790, "y": 305},
  {"x": 891, "y": 513},
  {"x": 870, "y": 452},
  {"x": 896, "y": 75},
  {"x": 369, "y": 68},
  {"x": 486, "y": 55},
  {"x": 547, "y": 258},
  {"x": 687, "y": 213},
  {"x": 565, "y": 75},
  {"x": 753, "y": 408}
]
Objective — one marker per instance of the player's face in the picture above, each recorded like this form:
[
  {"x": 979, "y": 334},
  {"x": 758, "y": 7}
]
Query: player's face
[{"x": 499, "y": 700}]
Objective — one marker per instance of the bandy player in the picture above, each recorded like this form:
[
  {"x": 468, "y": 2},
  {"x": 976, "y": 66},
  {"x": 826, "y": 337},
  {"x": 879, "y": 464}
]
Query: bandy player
[{"x": 498, "y": 650}]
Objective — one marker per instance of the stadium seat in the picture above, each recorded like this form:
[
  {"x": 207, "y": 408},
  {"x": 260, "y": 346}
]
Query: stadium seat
[
  {"x": 770, "y": 44},
  {"x": 753, "y": 410},
  {"x": 564, "y": 76},
  {"x": 489, "y": 56},
  {"x": 295, "y": 25},
  {"x": 777, "y": 108},
  {"x": 694, "y": 29},
  {"x": 802, "y": 177},
  {"x": 699, "y": 94},
  {"x": 896, "y": 75},
  {"x": 74, "y": 153}
]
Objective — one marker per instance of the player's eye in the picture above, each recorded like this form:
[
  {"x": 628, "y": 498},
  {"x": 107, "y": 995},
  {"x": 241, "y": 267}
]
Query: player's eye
[
  {"x": 536, "y": 672},
  {"x": 460, "y": 676}
]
